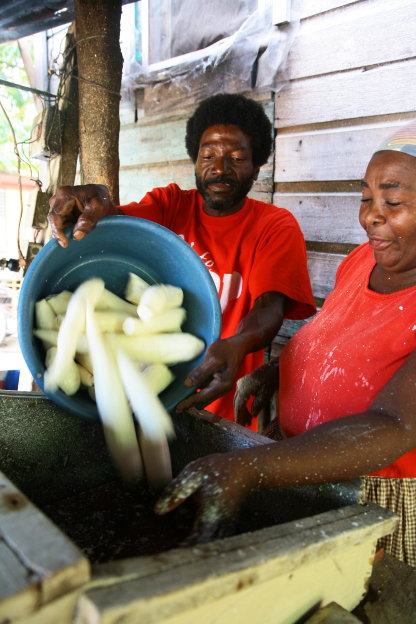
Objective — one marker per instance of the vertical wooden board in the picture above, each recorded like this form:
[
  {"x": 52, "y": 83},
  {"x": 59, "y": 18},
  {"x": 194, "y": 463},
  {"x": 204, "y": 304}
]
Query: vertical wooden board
[
  {"x": 348, "y": 95},
  {"x": 127, "y": 109},
  {"x": 329, "y": 154},
  {"x": 43, "y": 562},
  {"x": 358, "y": 35},
  {"x": 327, "y": 217},
  {"x": 322, "y": 269}
]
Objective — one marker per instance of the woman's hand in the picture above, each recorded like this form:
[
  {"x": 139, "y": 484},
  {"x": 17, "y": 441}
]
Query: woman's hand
[
  {"x": 82, "y": 206},
  {"x": 218, "y": 483},
  {"x": 261, "y": 384}
]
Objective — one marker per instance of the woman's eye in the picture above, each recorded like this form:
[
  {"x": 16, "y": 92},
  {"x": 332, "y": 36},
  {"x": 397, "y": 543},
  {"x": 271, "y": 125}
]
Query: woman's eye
[
  {"x": 393, "y": 203},
  {"x": 365, "y": 199}
]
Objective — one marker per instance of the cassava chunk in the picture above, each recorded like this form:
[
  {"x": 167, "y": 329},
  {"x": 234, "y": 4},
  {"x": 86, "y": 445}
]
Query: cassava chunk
[
  {"x": 165, "y": 348},
  {"x": 167, "y": 321},
  {"x": 135, "y": 287},
  {"x": 157, "y": 299}
]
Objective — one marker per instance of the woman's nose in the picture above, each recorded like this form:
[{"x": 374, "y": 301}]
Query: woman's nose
[{"x": 372, "y": 212}]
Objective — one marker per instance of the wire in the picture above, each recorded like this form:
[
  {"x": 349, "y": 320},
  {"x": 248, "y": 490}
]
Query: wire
[
  {"x": 63, "y": 74},
  {"x": 22, "y": 261},
  {"x": 20, "y": 87}
]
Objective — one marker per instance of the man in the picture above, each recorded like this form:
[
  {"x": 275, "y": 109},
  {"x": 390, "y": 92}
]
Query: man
[{"x": 254, "y": 251}]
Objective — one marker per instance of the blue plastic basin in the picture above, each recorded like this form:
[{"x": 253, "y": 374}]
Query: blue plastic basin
[{"x": 119, "y": 245}]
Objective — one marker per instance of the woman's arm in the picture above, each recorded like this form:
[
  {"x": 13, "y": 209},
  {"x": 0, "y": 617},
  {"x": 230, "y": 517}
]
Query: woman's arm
[{"x": 344, "y": 448}]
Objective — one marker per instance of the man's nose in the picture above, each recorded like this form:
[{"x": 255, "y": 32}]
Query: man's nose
[{"x": 221, "y": 165}]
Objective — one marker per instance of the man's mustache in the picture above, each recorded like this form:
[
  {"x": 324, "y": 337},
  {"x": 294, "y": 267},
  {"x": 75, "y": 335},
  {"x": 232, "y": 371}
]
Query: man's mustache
[{"x": 220, "y": 180}]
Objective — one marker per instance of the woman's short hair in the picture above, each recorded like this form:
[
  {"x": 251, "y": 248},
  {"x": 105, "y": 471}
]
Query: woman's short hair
[{"x": 231, "y": 109}]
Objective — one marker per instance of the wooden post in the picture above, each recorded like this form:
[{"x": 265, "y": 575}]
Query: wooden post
[{"x": 100, "y": 63}]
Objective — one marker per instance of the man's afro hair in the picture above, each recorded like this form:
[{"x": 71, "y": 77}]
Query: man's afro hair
[{"x": 231, "y": 109}]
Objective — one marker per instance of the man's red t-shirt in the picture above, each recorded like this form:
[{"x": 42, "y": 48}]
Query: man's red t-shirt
[
  {"x": 337, "y": 363},
  {"x": 258, "y": 249}
]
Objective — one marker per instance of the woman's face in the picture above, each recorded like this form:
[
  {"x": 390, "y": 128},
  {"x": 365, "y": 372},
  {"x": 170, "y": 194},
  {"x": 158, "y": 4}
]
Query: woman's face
[{"x": 388, "y": 209}]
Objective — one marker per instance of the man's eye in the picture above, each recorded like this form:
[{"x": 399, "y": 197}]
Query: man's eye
[
  {"x": 365, "y": 199},
  {"x": 393, "y": 203}
]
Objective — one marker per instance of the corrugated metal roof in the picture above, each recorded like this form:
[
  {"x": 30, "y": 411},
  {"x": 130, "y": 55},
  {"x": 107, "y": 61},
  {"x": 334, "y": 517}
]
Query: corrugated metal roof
[{"x": 20, "y": 18}]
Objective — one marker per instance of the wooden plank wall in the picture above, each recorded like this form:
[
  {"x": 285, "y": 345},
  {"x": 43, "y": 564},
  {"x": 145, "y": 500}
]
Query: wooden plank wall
[{"x": 350, "y": 78}]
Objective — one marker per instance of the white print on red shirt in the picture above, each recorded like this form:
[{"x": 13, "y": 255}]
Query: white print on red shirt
[
  {"x": 232, "y": 285},
  {"x": 229, "y": 286}
]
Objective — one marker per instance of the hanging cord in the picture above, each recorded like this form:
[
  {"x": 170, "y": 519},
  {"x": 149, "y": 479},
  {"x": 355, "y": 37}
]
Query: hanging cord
[
  {"x": 63, "y": 75},
  {"x": 22, "y": 261}
]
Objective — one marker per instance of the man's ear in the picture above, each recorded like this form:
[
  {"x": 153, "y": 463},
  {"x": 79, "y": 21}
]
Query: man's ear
[{"x": 256, "y": 172}]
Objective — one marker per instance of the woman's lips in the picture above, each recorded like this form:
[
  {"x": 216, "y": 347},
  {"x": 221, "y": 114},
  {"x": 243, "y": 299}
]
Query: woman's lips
[{"x": 379, "y": 244}]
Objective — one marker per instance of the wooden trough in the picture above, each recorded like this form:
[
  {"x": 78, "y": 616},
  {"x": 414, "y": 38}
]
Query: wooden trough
[{"x": 68, "y": 556}]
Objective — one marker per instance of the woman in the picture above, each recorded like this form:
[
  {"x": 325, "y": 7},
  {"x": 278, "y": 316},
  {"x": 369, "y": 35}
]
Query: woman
[{"x": 347, "y": 398}]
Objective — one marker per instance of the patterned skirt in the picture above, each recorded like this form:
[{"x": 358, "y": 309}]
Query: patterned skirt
[{"x": 398, "y": 495}]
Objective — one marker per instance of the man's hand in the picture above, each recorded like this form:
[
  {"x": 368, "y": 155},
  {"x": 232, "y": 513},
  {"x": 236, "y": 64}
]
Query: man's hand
[
  {"x": 82, "y": 206},
  {"x": 219, "y": 483},
  {"x": 215, "y": 375},
  {"x": 261, "y": 384}
]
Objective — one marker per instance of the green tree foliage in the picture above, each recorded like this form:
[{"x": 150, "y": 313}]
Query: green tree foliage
[{"x": 19, "y": 106}]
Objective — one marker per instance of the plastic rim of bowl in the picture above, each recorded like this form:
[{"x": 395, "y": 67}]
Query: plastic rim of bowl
[{"x": 119, "y": 245}]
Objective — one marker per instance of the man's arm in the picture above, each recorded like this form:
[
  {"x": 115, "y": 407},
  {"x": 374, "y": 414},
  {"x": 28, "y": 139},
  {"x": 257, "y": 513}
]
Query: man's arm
[
  {"x": 217, "y": 373},
  {"x": 80, "y": 206}
]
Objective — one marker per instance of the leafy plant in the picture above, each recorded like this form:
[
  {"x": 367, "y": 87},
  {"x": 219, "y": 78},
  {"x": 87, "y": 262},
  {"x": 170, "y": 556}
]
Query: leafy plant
[{"x": 19, "y": 106}]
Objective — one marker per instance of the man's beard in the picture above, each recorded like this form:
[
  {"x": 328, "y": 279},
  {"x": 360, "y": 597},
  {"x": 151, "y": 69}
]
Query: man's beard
[{"x": 240, "y": 192}]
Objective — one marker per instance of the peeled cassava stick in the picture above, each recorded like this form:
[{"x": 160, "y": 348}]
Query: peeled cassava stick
[
  {"x": 157, "y": 461},
  {"x": 59, "y": 302},
  {"x": 166, "y": 348},
  {"x": 112, "y": 404},
  {"x": 110, "y": 301},
  {"x": 157, "y": 299},
  {"x": 153, "y": 418},
  {"x": 45, "y": 315},
  {"x": 110, "y": 320},
  {"x": 49, "y": 338},
  {"x": 135, "y": 287},
  {"x": 84, "y": 359},
  {"x": 71, "y": 328},
  {"x": 70, "y": 383},
  {"x": 87, "y": 378},
  {"x": 158, "y": 377},
  {"x": 155, "y": 423},
  {"x": 168, "y": 321}
]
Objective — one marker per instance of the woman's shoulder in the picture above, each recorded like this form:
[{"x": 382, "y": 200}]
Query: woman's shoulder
[{"x": 360, "y": 258}]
